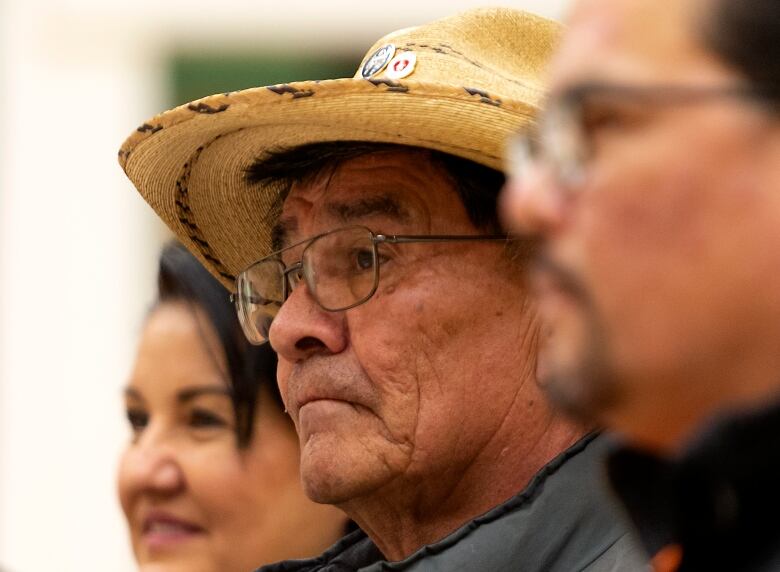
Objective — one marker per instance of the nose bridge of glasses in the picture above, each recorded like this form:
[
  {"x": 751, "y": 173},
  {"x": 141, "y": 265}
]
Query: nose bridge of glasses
[
  {"x": 310, "y": 250},
  {"x": 293, "y": 275},
  {"x": 528, "y": 160}
]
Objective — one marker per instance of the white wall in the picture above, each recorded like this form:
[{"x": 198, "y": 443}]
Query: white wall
[{"x": 78, "y": 246}]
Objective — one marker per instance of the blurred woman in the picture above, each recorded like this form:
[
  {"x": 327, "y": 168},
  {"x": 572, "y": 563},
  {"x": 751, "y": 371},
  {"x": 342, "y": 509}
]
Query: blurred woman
[{"x": 209, "y": 481}]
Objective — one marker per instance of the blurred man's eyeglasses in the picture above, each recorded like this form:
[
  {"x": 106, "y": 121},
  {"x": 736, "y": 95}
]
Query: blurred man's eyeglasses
[
  {"x": 561, "y": 139},
  {"x": 340, "y": 269}
]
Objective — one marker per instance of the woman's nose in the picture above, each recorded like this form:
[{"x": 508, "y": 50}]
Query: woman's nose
[{"x": 155, "y": 466}]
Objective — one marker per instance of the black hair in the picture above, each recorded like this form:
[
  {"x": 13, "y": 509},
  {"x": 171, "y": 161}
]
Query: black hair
[
  {"x": 477, "y": 186},
  {"x": 181, "y": 278},
  {"x": 744, "y": 33}
]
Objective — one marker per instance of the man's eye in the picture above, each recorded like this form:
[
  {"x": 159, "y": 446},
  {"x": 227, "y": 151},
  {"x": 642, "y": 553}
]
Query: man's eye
[
  {"x": 596, "y": 120},
  {"x": 137, "y": 418},
  {"x": 204, "y": 419},
  {"x": 363, "y": 259},
  {"x": 605, "y": 117}
]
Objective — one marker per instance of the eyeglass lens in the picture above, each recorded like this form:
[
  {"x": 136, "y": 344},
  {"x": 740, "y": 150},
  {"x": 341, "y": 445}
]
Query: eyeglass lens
[
  {"x": 556, "y": 141},
  {"x": 339, "y": 269}
]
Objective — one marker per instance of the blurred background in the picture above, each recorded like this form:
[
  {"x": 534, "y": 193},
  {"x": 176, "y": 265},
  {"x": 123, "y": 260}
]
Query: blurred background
[{"x": 78, "y": 247}]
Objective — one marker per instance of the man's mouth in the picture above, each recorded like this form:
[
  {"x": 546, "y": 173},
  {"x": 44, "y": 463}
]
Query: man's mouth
[
  {"x": 321, "y": 404},
  {"x": 306, "y": 399},
  {"x": 322, "y": 383},
  {"x": 316, "y": 392}
]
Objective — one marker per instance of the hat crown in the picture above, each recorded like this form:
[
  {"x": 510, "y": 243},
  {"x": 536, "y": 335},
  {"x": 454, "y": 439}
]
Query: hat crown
[
  {"x": 460, "y": 85},
  {"x": 498, "y": 50}
]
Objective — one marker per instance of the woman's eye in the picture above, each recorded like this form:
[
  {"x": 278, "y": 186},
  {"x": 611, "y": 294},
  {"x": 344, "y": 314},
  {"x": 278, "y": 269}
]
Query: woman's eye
[
  {"x": 137, "y": 418},
  {"x": 204, "y": 419}
]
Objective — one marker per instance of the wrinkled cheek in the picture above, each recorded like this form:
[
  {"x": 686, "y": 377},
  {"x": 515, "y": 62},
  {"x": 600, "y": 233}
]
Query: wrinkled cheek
[
  {"x": 389, "y": 362},
  {"x": 397, "y": 385},
  {"x": 404, "y": 341}
]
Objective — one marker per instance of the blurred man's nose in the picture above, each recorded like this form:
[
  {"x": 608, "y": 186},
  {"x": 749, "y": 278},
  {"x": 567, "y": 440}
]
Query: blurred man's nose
[
  {"x": 303, "y": 328},
  {"x": 532, "y": 203}
]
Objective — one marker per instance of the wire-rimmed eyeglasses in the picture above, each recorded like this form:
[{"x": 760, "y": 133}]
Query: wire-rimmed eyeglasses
[
  {"x": 561, "y": 140},
  {"x": 340, "y": 269}
]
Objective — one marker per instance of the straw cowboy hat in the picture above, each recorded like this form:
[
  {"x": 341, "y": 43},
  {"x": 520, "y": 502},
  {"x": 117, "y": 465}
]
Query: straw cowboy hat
[{"x": 459, "y": 85}]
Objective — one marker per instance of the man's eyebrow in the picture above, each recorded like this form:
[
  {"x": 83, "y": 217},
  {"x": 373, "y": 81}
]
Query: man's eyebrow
[
  {"x": 280, "y": 233},
  {"x": 385, "y": 205},
  {"x": 190, "y": 393}
]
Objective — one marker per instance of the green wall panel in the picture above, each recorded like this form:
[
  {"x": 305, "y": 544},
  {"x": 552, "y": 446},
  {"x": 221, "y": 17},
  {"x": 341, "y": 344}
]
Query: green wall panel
[{"x": 194, "y": 75}]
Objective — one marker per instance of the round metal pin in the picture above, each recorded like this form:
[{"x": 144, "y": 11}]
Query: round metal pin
[
  {"x": 378, "y": 60},
  {"x": 401, "y": 65}
]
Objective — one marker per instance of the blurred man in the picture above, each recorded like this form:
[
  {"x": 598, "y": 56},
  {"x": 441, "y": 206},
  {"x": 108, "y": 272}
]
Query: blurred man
[
  {"x": 654, "y": 179},
  {"x": 355, "y": 221}
]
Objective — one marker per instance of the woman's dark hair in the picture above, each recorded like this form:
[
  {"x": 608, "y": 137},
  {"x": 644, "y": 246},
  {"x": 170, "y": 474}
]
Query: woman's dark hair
[
  {"x": 744, "y": 33},
  {"x": 181, "y": 278}
]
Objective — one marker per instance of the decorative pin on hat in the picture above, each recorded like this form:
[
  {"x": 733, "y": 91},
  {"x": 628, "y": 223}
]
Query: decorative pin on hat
[
  {"x": 378, "y": 60},
  {"x": 401, "y": 65}
]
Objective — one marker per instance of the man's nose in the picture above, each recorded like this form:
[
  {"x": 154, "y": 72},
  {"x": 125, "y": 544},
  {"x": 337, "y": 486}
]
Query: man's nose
[
  {"x": 533, "y": 204},
  {"x": 302, "y": 327}
]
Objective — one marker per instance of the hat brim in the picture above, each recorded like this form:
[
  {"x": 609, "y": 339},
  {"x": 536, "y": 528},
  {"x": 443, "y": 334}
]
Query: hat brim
[{"x": 190, "y": 163}]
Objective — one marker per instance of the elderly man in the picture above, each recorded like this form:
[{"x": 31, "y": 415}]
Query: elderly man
[
  {"x": 654, "y": 180},
  {"x": 355, "y": 222}
]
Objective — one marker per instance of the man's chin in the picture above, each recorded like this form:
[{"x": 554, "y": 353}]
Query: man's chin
[
  {"x": 332, "y": 472},
  {"x": 323, "y": 489}
]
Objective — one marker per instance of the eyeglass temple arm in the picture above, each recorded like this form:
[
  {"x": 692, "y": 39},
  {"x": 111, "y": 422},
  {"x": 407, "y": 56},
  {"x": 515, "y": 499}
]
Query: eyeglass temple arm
[{"x": 397, "y": 239}]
